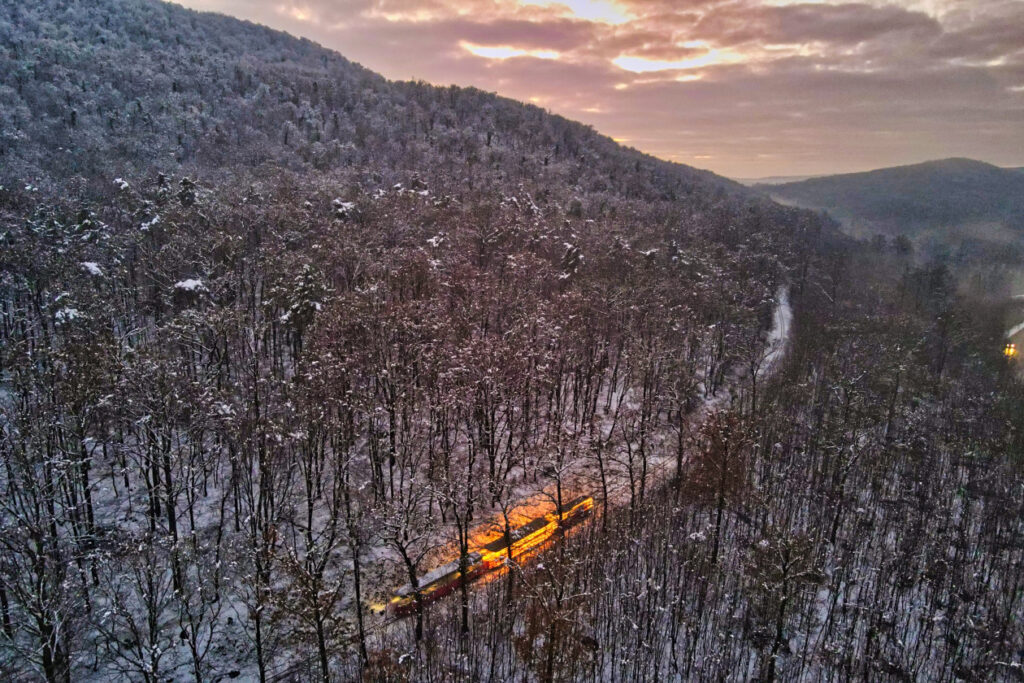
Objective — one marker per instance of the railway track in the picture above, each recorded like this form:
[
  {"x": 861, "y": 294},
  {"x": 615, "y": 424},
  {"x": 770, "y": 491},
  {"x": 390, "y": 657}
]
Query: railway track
[{"x": 658, "y": 474}]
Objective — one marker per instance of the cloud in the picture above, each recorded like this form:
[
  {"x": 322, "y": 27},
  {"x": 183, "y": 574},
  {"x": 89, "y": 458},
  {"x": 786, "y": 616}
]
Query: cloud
[
  {"x": 996, "y": 34},
  {"x": 604, "y": 11},
  {"x": 747, "y": 87},
  {"x": 506, "y": 51},
  {"x": 696, "y": 59},
  {"x": 838, "y": 25}
]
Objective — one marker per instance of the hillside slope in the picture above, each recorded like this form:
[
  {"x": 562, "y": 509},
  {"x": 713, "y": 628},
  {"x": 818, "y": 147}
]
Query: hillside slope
[{"x": 117, "y": 87}]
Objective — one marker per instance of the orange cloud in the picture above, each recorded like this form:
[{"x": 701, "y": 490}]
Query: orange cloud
[{"x": 505, "y": 51}]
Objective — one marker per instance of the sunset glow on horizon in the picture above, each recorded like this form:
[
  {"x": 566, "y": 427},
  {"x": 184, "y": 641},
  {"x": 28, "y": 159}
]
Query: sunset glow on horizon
[{"x": 747, "y": 88}]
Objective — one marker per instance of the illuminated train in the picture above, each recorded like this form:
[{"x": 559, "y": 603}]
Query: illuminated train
[{"x": 445, "y": 579}]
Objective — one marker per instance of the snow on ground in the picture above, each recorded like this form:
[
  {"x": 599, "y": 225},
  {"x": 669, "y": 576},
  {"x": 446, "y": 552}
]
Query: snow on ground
[
  {"x": 1016, "y": 329},
  {"x": 778, "y": 336},
  {"x": 190, "y": 285},
  {"x": 583, "y": 476},
  {"x": 66, "y": 315},
  {"x": 535, "y": 496},
  {"x": 92, "y": 268}
]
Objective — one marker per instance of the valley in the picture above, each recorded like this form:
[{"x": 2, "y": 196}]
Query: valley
[{"x": 308, "y": 374}]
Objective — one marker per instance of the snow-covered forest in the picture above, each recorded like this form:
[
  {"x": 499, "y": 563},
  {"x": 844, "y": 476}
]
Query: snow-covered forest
[{"x": 279, "y": 336}]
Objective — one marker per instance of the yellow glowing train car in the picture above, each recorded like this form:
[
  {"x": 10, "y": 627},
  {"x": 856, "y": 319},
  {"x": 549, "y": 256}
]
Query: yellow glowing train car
[
  {"x": 435, "y": 584},
  {"x": 445, "y": 579},
  {"x": 575, "y": 511}
]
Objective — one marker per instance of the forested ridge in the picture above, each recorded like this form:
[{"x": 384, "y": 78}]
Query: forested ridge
[
  {"x": 279, "y": 336},
  {"x": 106, "y": 88},
  {"x": 959, "y": 210},
  {"x": 908, "y": 199}
]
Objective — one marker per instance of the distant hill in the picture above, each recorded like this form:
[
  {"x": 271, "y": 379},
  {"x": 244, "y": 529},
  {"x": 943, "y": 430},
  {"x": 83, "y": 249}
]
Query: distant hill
[
  {"x": 951, "y": 194},
  {"x": 774, "y": 180}
]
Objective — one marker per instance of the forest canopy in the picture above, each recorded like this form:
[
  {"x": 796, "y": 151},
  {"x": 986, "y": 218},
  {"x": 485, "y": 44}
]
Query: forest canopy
[{"x": 279, "y": 336}]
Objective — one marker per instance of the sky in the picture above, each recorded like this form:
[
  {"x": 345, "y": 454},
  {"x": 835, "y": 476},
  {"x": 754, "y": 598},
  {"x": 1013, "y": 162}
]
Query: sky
[{"x": 745, "y": 88}]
